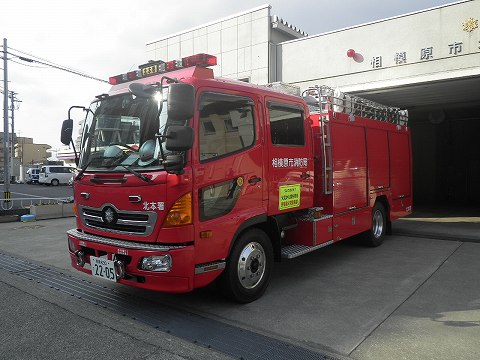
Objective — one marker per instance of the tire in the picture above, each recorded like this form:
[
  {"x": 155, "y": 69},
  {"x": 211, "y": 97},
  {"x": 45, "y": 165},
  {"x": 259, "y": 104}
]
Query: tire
[
  {"x": 248, "y": 268},
  {"x": 55, "y": 182},
  {"x": 375, "y": 236}
]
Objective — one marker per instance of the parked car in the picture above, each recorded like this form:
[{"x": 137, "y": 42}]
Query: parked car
[
  {"x": 55, "y": 175},
  {"x": 32, "y": 175}
]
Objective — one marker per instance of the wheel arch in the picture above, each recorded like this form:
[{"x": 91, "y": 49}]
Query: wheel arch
[{"x": 270, "y": 225}]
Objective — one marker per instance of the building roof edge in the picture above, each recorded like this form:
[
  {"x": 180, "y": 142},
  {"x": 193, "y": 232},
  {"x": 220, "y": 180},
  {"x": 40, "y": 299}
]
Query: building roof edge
[
  {"x": 377, "y": 21},
  {"x": 210, "y": 23}
]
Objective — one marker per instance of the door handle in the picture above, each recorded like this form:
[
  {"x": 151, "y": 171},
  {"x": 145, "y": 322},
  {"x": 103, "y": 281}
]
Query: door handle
[{"x": 254, "y": 180}]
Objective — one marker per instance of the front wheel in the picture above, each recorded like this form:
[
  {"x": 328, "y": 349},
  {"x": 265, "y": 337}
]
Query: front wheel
[
  {"x": 249, "y": 267},
  {"x": 374, "y": 237},
  {"x": 55, "y": 182}
]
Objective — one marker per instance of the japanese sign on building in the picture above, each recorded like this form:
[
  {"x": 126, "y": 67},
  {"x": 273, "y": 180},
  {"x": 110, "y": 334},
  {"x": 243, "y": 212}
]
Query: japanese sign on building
[{"x": 454, "y": 47}]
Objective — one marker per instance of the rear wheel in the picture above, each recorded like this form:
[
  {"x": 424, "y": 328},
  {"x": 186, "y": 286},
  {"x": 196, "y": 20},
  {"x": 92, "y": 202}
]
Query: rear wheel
[
  {"x": 249, "y": 267},
  {"x": 55, "y": 182},
  {"x": 375, "y": 236}
]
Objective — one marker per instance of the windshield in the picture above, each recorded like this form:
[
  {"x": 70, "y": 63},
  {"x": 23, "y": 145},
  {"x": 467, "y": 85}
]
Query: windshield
[{"x": 120, "y": 131}]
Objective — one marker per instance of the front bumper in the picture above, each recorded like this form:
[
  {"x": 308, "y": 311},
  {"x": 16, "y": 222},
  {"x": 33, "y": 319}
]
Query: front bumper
[{"x": 179, "y": 279}]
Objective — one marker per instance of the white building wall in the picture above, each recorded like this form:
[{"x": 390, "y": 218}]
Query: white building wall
[
  {"x": 240, "y": 43},
  {"x": 389, "y": 52}
]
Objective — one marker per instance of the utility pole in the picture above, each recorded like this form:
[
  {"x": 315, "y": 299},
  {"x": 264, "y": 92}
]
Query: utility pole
[
  {"x": 6, "y": 173},
  {"x": 13, "y": 100}
]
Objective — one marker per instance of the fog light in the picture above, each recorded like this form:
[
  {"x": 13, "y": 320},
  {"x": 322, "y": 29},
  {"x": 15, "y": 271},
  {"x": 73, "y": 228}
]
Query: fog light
[
  {"x": 80, "y": 257},
  {"x": 160, "y": 263},
  {"x": 119, "y": 269},
  {"x": 71, "y": 245}
]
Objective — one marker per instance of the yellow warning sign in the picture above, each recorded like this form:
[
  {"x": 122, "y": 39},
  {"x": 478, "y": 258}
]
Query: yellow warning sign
[{"x": 288, "y": 196}]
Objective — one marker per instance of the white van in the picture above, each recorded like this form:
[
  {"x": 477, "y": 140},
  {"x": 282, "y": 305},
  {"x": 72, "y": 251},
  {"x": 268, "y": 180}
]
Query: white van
[
  {"x": 32, "y": 175},
  {"x": 55, "y": 175}
]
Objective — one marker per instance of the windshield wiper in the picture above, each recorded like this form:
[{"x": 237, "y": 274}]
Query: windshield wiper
[
  {"x": 137, "y": 174},
  {"x": 83, "y": 169}
]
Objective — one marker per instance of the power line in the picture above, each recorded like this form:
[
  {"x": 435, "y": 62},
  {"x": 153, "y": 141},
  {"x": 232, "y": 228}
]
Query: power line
[
  {"x": 33, "y": 66},
  {"x": 48, "y": 63},
  {"x": 31, "y": 55}
]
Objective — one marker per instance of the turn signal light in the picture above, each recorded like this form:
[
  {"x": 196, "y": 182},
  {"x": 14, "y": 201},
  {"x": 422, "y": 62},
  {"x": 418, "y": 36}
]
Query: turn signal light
[
  {"x": 75, "y": 209},
  {"x": 180, "y": 213},
  {"x": 206, "y": 234}
]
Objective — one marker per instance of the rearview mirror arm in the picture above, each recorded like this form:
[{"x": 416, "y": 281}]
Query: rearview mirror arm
[
  {"x": 169, "y": 80},
  {"x": 73, "y": 143}
]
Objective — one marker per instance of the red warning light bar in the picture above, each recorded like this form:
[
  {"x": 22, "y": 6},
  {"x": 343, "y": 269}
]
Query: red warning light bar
[
  {"x": 203, "y": 60},
  {"x": 159, "y": 67}
]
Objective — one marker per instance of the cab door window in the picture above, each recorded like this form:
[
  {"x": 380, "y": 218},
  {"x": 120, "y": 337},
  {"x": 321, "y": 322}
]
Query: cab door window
[
  {"x": 226, "y": 125},
  {"x": 286, "y": 125},
  {"x": 290, "y": 158}
]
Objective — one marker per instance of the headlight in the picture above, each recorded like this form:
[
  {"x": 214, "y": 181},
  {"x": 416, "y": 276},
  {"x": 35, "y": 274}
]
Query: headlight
[{"x": 159, "y": 263}]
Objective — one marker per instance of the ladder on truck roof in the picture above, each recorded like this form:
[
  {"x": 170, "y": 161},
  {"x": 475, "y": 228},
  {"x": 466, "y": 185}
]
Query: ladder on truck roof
[
  {"x": 327, "y": 168},
  {"x": 322, "y": 99}
]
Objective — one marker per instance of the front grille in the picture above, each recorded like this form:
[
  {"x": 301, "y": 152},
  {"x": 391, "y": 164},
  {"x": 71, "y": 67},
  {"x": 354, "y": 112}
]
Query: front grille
[
  {"x": 126, "y": 222},
  {"x": 123, "y": 216},
  {"x": 117, "y": 227}
]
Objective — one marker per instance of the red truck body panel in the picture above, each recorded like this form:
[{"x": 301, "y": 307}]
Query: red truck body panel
[{"x": 315, "y": 188}]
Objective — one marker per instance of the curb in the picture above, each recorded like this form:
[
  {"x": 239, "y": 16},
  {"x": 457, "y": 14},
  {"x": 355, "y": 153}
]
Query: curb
[
  {"x": 437, "y": 236},
  {"x": 9, "y": 218}
]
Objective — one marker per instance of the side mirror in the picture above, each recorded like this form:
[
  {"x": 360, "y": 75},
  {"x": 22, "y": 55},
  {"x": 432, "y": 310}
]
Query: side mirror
[
  {"x": 67, "y": 131},
  {"x": 174, "y": 164},
  {"x": 179, "y": 138},
  {"x": 181, "y": 102}
]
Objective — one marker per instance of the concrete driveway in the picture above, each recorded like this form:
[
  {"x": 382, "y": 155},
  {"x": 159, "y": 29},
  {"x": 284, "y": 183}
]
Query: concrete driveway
[{"x": 411, "y": 298}]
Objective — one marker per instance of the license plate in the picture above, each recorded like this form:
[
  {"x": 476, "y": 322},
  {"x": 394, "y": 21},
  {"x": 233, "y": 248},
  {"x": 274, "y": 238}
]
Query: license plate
[{"x": 103, "y": 268}]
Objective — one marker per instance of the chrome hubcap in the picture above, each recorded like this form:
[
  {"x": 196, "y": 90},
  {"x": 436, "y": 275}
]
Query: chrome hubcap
[
  {"x": 251, "y": 265},
  {"x": 377, "y": 225}
]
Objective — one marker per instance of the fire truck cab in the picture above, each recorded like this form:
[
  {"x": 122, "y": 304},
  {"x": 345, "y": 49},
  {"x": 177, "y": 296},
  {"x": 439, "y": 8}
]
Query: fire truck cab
[{"x": 184, "y": 178}]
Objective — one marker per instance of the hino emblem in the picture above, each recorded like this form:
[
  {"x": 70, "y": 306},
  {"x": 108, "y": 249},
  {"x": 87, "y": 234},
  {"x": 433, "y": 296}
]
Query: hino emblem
[{"x": 109, "y": 215}]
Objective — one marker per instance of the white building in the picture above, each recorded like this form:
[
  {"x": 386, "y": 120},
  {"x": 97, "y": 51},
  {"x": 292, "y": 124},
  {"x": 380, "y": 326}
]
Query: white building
[
  {"x": 244, "y": 44},
  {"x": 427, "y": 62}
]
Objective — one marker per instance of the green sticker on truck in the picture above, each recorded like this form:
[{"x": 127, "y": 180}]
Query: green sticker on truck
[{"x": 288, "y": 196}]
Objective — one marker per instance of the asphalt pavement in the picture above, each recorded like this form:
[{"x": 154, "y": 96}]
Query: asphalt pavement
[{"x": 415, "y": 297}]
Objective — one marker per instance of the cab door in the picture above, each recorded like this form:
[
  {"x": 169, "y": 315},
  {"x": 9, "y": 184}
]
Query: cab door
[
  {"x": 228, "y": 170},
  {"x": 290, "y": 160}
]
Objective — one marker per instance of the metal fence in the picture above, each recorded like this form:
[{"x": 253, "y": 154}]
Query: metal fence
[{"x": 25, "y": 203}]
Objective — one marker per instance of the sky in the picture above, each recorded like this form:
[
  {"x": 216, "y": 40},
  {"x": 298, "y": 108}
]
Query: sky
[{"x": 108, "y": 37}]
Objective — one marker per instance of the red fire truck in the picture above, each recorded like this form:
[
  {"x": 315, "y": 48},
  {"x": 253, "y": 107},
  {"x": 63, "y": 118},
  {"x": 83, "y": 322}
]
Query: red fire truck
[{"x": 184, "y": 179}]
